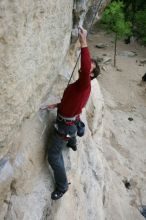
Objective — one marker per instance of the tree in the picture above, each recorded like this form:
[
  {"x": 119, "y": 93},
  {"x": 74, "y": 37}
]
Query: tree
[
  {"x": 113, "y": 19},
  {"x": 140, "y": 23},
  {"x": 135, "y": 12},
  {"x": 132, "y": 6}
]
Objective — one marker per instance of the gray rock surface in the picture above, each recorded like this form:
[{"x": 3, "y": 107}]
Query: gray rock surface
[
  {"x": 143, "y": 61},
  {"x": 128, "y": 54},
  {"x": 101, "y": 45},
  {"x": 36, "y": 62},
  {"x": 123, "y": 141}
]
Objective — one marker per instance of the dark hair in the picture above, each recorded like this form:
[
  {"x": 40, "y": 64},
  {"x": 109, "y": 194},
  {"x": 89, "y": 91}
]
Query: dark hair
[{"x": 96, "y": 70}]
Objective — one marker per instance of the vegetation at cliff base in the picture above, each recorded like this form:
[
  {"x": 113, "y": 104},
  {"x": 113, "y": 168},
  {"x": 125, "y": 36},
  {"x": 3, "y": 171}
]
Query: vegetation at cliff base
[
  {"x": 140, "y": 23},
  {"x": 135, "y": 12},
  {"x": 113, "y": 19}
]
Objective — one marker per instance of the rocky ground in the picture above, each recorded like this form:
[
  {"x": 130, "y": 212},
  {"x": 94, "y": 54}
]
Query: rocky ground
[{"x": 124, "y": 138}]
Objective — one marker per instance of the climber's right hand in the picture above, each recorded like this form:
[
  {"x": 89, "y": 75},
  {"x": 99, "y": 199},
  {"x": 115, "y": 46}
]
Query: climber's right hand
[{"x": 82, "y": 36}]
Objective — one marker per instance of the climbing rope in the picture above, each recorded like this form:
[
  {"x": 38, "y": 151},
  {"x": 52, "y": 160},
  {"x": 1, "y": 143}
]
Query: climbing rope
[
  {"x": 44, "y": 128},
  {"x": 87, "y": 36}
]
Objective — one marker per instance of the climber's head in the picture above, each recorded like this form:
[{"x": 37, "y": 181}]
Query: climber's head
[{"x": 95, "y": 70}]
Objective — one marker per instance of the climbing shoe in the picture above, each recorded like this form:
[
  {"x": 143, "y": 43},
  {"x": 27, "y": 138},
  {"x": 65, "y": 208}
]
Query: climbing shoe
[
  {"x": 73, "y": 147},
  {"x": 57, "y": 194}
]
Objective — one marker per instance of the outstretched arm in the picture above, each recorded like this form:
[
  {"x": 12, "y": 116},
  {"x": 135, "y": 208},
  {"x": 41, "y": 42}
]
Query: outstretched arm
[
  {"x": 49, "y": 107},
  {"x": 82, "y": 37},
  {"x": 84, "y": 77}
]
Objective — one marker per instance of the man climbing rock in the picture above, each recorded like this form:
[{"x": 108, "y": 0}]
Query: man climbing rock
[{"x": 68, "y": 115}]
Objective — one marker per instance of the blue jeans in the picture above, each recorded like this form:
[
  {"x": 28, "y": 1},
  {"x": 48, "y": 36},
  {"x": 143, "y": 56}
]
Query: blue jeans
[{"x": 55, "y": 157}]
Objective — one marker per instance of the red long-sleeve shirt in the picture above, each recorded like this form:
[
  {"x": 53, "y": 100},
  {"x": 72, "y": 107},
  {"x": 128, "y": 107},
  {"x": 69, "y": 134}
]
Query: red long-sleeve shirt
[{"x": 76, "y": 94}]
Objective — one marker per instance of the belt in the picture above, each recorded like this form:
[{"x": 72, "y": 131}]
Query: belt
[
  {"x": 67, "y": 118},
  {"x": 69, "y": 121}
]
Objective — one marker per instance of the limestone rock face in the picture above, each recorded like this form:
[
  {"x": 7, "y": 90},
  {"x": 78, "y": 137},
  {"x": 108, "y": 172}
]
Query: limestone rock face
[
  {"x": 36, "y": 62},
  {"x": 86, "y": 13},
  {"x": 33, "y": 37}
]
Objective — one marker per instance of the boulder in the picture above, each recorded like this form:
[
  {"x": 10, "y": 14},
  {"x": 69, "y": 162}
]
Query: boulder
[
  {"x": 104, "y": 68},
  {"x": 128, "y": 53},
  {"x": 107, "y": 60},
  {"x": 143, "y": 61},
  {"x": 119, "y": 70},
  {"x": 101, "y": 45},
  {"x": 99, "y": 59}
]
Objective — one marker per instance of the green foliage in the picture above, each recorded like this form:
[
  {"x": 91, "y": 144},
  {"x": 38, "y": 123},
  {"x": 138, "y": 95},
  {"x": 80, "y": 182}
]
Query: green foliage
[
  {"x": 134, "y": 5},
  {"x": 135, "y": 12},
  {"x": 140, "y": 23},
  {"x": 131, "y": 7},
  {"x": 114, "y": 20}
]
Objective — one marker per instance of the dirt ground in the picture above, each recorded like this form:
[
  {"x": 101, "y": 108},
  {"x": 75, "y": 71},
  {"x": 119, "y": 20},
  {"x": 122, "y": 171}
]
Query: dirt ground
[{"x": 124, "y": 139}]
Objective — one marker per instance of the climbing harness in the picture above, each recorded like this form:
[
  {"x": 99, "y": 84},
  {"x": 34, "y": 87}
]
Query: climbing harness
[{"x": 88, "y": 32}]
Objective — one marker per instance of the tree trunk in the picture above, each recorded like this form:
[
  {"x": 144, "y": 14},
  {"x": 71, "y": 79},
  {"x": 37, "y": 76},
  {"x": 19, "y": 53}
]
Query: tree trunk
[{"x": 115, "y": 51}]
